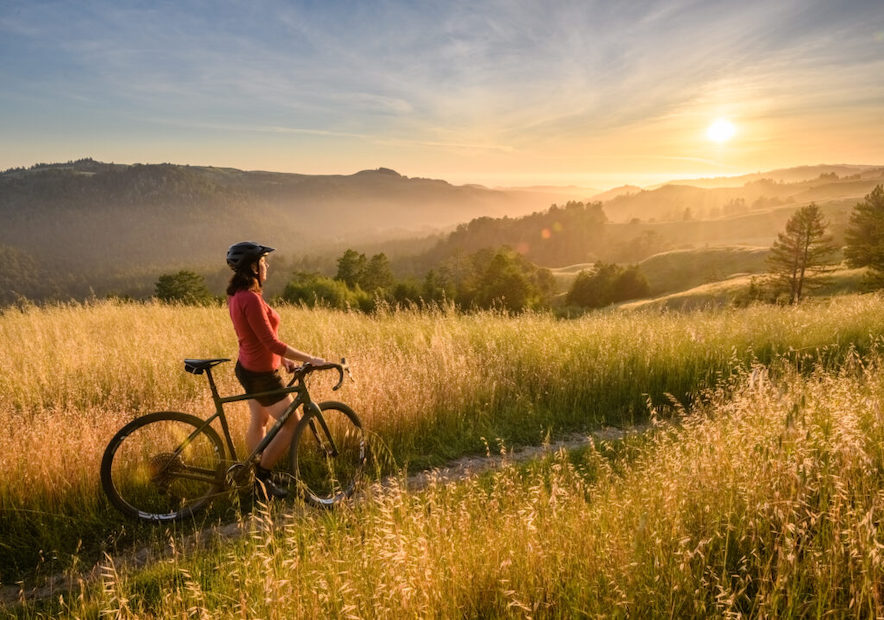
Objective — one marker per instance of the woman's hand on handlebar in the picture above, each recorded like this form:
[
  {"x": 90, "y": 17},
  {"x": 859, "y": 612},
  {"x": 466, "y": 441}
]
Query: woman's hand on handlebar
[{"x": 292, "y": 366}]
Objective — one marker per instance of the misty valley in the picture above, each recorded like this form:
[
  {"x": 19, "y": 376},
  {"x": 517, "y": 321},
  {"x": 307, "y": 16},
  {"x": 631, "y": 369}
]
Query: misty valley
[{"x": 85, "y": 229}]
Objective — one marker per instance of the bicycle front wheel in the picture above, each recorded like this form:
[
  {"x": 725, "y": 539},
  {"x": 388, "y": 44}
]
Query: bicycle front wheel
[
  {"x": 163, "y": 466},
  {"x": 328, "y": 453}
]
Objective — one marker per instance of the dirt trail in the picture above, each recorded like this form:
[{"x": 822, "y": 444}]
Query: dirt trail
[{"x": 457, "y": 470}]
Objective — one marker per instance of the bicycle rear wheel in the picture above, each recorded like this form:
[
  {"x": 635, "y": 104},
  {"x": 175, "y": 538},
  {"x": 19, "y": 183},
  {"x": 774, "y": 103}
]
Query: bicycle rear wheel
[
  {"x": 163, "y": 466},
  {"x": 328, "y": 454}
]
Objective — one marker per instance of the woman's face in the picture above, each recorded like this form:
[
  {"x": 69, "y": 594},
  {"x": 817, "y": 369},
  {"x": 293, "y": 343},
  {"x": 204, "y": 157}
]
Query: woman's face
[{"x": 261, "y": 269}]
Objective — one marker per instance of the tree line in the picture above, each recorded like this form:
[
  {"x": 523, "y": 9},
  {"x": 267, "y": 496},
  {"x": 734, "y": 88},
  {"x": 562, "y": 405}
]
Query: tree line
[
  {"x": 504, "y": 278},
  {"x": 490, "y": 278},
  {"x": 573, "y": 233},
  {"x": 500, "y": 276}
]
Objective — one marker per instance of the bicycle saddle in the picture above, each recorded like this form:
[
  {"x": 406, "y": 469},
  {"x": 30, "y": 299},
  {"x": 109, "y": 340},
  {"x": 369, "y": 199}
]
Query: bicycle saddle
[{"x": 197, "y": 367}]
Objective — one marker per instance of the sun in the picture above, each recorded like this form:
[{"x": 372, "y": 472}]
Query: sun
[{"x": 721, "y": 130}]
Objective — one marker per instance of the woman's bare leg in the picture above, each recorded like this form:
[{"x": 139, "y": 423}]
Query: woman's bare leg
[
  {"x": 277, "y": 447},
  {"x": 257, "y": 424}
]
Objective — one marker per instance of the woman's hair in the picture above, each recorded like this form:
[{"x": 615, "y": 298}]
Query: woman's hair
[{"x": 243, "y": 280}]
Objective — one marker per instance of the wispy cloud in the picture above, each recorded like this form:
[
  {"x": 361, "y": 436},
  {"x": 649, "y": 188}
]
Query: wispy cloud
[{"x": 500, "y": 76}]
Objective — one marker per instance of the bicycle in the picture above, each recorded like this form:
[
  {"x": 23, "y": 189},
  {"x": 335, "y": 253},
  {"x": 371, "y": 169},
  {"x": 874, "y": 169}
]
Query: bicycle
[{"x": 168, "y": 465}]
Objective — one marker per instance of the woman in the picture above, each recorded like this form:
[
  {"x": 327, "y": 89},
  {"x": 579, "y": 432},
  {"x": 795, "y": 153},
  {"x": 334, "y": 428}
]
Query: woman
[{"x": 261, "y": 353}]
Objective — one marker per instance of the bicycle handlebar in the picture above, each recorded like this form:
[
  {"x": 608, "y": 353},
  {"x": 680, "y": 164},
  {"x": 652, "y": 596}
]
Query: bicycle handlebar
[{"x": 307, "y": 368}]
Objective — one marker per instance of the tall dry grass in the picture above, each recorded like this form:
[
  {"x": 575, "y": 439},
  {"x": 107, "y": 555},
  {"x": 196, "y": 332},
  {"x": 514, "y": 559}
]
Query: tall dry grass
[
  {"x": 762, "y": 502},
  {"x": 431, "y": 386}
]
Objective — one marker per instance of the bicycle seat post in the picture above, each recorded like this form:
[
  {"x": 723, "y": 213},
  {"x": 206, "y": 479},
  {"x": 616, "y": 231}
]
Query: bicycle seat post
[{"x": 215, "y": 396}]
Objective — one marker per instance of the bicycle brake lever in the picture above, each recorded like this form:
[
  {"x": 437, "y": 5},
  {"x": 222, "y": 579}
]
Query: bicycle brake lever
[{"x": 346, "y": 367}]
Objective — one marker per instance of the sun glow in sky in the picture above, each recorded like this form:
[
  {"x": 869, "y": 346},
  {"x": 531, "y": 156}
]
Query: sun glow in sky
[
  {"x": 721, "y": 130},
  {"x": 498, "y": 92}
]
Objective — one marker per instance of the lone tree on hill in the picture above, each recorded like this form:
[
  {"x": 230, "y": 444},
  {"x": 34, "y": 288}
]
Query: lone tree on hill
[
  {"x": 865, "y": 236},
  {"x": 803, "y": 250}
]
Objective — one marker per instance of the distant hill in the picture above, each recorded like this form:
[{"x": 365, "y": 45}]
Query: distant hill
[
  {"x": 81, "y": 227},
  {"x": 623, "y": 190},
  {"x": 579, "y": 232},
  {"x": 783, "y": 175},
  {"x": 88, "y": 215},
  {"x": 711, "y": 199}
]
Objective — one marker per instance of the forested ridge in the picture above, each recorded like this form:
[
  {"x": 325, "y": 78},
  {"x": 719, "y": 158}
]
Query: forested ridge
[
  {"x": 633, "y": 225},
  {"x": 86, "y": 227},
  {"x": 85, "y": 223},
  {"x": 144, "y": 204}
]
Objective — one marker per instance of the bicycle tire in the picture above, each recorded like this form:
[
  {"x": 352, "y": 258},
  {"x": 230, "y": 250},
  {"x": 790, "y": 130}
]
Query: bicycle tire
[
  {"x": 150, "y": 471},
  {"x": 321, "y": 477}
]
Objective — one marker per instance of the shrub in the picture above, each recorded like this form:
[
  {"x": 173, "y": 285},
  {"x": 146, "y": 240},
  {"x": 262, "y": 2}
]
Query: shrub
[
  {"x": 184, "y": 287},
  {"x": 607, "y": 284},
  {"x": 313, "y": 289}
]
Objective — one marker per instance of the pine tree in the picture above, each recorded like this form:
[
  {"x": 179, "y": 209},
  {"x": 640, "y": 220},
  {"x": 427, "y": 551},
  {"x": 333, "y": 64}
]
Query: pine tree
[
  {"x": 351, "y": 266},
  {"x": 865, "y": 235},
  {"x": 377, "y": 276},
  {"x": 802, "y": 251}
]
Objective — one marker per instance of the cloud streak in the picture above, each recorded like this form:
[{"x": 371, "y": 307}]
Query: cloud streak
[{"x": 502, "y": 76}]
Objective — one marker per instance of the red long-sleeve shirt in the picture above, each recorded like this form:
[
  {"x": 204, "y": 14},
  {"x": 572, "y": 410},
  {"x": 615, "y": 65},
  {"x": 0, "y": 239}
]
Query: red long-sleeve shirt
[{"x": 257, "y": 327}]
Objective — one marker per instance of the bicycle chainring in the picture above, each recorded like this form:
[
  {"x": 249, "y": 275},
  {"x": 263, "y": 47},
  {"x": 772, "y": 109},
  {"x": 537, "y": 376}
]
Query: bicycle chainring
[{"x": 240, "y": 476}]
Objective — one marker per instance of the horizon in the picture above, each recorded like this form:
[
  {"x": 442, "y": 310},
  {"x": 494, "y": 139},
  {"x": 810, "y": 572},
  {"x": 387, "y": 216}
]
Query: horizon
[
  {"x": 497, "y": 94},
  {"x": 599, "y": 189}
]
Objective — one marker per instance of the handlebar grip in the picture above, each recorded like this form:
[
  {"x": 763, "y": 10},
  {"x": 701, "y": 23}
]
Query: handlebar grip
[
  {"x": 340, "y": 368},
  {"x": 307, "y": 368}
]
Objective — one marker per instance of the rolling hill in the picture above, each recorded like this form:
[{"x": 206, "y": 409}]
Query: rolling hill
[
  {"x": 680, "y": 270},
  {"x": 88, "y": 227},
  {"x": 701, "y": 199},
  {"x": 88, "y": 215},
  {"x": 724, "y": 292}
]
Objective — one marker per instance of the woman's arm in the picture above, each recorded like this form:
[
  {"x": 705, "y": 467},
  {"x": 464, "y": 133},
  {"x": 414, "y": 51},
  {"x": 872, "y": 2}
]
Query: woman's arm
[{"x": 294, "y": 354}]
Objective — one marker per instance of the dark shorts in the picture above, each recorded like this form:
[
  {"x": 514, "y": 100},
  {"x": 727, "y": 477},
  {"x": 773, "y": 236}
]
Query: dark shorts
[{"x": 255, "y": 382}]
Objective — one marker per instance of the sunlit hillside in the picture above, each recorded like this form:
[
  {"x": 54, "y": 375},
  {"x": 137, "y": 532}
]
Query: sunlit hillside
[
  {"x": 683, "y": 269},
  {"x": 743, "y": 289},
  {"x": 678, "y": 270}
]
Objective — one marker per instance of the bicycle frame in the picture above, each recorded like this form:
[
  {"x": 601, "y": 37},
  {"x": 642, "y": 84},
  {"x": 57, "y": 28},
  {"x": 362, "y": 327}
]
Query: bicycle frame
[
  {"x": 297, "y": 387},
  {"x": 159, "y": 467}
]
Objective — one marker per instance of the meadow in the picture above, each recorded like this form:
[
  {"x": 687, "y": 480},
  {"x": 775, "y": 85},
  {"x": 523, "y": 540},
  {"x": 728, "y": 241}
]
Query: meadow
[
  {"x": 434, "y": 385},
  {"x": 764, "y": 502}
]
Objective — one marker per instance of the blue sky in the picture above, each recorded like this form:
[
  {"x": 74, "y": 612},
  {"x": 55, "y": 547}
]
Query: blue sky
[{"x": 499, "y": 93}]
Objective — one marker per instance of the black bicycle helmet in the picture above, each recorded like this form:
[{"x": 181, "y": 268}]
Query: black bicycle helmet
[{"x": 244, "y": 253}]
